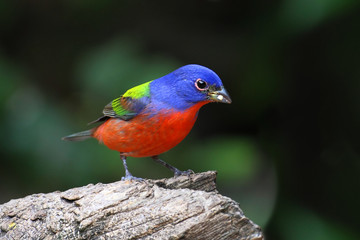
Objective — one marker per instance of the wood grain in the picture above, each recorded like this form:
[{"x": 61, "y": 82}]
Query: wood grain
[{"x": 184, "y": 207}]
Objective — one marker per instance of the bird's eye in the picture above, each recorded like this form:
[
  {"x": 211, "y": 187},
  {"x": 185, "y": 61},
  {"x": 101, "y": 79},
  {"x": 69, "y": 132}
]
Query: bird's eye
[{"x": 201, "y": 85}]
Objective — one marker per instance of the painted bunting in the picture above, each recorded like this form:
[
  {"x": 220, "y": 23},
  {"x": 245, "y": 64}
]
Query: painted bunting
[{"x": 154, "y": 117}]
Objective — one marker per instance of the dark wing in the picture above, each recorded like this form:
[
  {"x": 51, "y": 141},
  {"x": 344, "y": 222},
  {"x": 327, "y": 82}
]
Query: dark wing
[{"x": 124, "y": 108}]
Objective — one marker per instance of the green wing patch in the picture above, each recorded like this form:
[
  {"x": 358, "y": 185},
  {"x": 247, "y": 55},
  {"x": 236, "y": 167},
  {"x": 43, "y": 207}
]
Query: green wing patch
[
  {"x": 140, "y": 91},
  {"x": 130, "y": 104},
  {"x": 121, "y": 106}
]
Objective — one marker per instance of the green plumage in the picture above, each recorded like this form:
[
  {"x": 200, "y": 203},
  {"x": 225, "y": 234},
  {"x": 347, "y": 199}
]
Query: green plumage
[
  {"x": 140, "y": 91},
  {"x": 130, "y": 103}
]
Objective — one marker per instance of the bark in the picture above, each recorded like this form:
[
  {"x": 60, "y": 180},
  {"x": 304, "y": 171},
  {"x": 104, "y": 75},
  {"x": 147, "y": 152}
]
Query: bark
[{"x": 184, "y": 207}]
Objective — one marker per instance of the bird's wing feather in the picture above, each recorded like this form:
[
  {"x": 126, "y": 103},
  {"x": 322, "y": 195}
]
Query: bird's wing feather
[
  {"x": 128, "y": 105},
  {"x": 125, "y": 107}
]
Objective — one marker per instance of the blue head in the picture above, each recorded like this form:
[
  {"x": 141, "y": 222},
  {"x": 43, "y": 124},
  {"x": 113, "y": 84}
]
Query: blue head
[{"x": 189, "y": 85}]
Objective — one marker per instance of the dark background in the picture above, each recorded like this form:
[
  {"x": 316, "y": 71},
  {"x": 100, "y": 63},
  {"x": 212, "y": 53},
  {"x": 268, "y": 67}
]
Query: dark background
[{"x": 287, "y": 148}]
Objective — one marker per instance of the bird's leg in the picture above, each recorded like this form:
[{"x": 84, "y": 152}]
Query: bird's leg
[
  {"x": 176, "y": 171},
  {"x": 128, "y": 175}
]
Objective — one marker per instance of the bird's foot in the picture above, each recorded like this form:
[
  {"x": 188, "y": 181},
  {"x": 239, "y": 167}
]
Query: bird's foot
[
  {"x": 131, "y": 178},
  {"x": 176, "y": 171},
  {"x": 188, "y": 172},
  {"x": 128, "y": 175}
]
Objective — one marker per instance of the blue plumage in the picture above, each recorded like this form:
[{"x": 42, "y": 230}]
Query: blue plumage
[
  {"x": 178, "y": 90},
  {"x": 153, "y": 117}
]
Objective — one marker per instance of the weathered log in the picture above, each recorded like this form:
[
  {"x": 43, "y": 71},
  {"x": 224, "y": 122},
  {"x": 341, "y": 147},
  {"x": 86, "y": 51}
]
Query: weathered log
[{"x": 184, "y": 207}]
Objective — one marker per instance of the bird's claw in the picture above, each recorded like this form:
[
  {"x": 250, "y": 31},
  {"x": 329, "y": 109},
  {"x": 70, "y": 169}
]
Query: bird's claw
[
  {"x": 131, "y": 178},
  {"x": 183, "y": 173}
]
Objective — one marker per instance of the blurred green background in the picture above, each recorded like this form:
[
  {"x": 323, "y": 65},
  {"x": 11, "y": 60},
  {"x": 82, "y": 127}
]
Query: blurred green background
[{"x": 287, "y": 148}]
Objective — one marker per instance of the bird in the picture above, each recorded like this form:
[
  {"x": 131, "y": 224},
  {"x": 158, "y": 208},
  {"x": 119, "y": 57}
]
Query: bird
[{"x": 152, "y": 118}]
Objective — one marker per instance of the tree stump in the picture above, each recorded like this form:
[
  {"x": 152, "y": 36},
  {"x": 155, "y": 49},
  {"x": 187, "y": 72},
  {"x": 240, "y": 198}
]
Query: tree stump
[{"x": 184, "y": 207}]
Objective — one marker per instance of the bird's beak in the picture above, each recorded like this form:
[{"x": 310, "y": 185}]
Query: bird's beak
[{"x": 220, "y": 96}]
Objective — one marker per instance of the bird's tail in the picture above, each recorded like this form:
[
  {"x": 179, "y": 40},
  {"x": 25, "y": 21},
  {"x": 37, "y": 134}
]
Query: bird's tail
[{"x": 80, "y": 136}]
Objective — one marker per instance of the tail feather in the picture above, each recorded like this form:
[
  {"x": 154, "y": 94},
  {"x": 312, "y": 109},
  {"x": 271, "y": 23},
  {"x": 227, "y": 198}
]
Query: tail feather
[{"x": 80, "y": 136}]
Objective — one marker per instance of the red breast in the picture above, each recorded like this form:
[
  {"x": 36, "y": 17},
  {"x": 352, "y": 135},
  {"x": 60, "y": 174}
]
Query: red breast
[{"x": 146, "y": 135}]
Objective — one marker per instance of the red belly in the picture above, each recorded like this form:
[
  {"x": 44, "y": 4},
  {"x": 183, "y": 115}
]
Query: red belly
[{"x": 145, "y": 136}]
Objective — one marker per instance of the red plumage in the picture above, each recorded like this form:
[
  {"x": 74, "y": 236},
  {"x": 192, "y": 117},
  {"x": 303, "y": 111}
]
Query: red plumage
[
  {"x": 154, "y": 117},
  {"x": 148, "y": 135}
]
